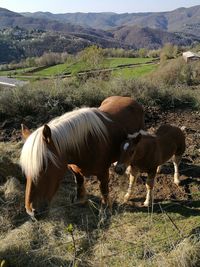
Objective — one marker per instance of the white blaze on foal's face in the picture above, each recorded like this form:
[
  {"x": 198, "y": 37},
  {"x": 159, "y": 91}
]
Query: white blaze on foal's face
[{"x": 126, "y": 145}]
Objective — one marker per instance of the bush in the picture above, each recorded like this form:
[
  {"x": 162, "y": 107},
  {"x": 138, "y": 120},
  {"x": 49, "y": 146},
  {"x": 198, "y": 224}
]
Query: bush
[
  {"x": 177, "y": 71},
  {"x": 46, "y": 99}
]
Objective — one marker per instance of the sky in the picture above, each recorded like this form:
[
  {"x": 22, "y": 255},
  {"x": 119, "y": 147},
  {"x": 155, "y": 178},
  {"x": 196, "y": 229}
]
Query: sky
[{"x": 118, "y": 6}]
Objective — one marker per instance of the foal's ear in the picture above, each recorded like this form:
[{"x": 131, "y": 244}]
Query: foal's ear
[
  {"x": 46, "y": 134},
  {"x": 25, "y": 131}
]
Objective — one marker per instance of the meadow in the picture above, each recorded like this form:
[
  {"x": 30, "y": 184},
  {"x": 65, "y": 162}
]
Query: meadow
[{"x": 77, "y": 66}]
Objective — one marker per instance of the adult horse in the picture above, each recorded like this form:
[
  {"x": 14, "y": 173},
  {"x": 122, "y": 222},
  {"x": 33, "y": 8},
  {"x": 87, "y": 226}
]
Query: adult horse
[{"x": 90, "y": 138}]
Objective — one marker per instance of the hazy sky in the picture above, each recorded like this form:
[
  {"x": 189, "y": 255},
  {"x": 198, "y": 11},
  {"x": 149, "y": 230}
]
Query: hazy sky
[{"x": 118, "y": 6}]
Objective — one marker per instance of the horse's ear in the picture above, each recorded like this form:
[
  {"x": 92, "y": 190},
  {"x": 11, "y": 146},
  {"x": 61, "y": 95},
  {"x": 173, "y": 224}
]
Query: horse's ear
[
  {"x": 25, "y": 131},
  {"x": 46, "y": 134}
]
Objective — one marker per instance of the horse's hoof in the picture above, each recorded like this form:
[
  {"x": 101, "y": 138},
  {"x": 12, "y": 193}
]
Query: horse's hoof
[
  {"x": 126, "y": 198},
  {"x": 177, "y": 182},
  {"x": 146, "y": 204}
]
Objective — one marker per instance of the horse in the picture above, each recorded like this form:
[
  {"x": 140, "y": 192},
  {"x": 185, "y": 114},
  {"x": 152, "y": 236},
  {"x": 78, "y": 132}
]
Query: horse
[
  {"x": 145, "y": 152},
  {"x": 87, "y": 138}
]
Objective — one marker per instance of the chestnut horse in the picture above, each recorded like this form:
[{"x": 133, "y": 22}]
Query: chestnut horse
[
  {"x": 146, "y": 153},
  {"x": 89, "y": 138}
]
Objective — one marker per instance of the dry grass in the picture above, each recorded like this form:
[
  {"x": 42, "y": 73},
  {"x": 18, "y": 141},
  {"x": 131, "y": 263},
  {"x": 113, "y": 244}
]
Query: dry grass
[{"x": 130, "y": 237}]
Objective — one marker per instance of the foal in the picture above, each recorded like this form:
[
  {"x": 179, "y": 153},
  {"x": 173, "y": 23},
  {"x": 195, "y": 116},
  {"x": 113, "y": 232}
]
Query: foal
[{"x": 146, "y": 153}]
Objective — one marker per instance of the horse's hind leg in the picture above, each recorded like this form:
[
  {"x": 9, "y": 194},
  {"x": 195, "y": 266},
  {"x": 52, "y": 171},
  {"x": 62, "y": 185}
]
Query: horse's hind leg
[
  {"x": 149, "y": 186},
  {"x": 176, "y": 161},
  {"x": 133, "y": 175}
]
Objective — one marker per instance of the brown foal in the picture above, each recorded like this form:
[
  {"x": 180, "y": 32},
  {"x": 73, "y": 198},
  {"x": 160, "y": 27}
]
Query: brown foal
[{"x": 145, "y": 152}]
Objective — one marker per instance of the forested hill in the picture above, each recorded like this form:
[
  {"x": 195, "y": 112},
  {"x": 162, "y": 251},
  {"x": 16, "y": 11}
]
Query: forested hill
[{"x": 185, "y": 20}]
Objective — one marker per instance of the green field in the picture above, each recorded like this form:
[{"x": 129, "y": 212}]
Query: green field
[
  {"x": 133, "y": 72},
  {"x": 81, "y": 66},
  {"x": 15, "y": 71},
  {"x": 73, "y": 68}
]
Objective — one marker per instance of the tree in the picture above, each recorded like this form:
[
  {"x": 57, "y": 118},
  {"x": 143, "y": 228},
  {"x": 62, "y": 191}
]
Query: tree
[{"x": 92, "y": 56}]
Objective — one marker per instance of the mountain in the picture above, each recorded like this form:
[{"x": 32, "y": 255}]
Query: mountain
[
  {"x": 32, "y": 34},
  {"x": 146, "y": 37},
  {"x": 186, "y": 20}
]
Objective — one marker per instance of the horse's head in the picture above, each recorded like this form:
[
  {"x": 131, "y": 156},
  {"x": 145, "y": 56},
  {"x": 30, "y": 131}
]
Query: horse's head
[
  {"x": 40, "y": 188},
  {"x": 127, "y": 153}
]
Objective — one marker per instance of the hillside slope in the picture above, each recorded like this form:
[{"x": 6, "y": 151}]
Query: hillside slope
[{"x": 185, "y": 20}]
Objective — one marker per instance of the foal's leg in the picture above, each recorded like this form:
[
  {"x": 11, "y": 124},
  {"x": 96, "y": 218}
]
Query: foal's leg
[
  {"x": 158, "y": 169},
  {"x": 133, "y": 175},
  {"x": 149, "y": 186},
  {"x": 176, "y": 161}
]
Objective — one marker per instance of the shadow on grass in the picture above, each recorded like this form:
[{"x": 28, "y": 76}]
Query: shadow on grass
[
  {"x": 20, "y": 257},
  {"x": 8, "y": 168}
]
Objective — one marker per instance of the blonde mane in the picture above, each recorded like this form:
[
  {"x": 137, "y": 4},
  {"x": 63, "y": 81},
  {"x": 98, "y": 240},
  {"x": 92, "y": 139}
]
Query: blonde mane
[{"x": 68, "y": 132}]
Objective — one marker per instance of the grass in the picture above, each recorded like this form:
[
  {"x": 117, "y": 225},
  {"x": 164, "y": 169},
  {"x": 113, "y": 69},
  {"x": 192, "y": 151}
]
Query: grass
[
  {"x": 115, "y": 62},
  {"x": 130, "y": 237},
  {"x": 15, "y": 72},
  {"x": 134, "y": 72},
  {"x": 167, "y": 236},
  {"x": 76, "y": 67}
]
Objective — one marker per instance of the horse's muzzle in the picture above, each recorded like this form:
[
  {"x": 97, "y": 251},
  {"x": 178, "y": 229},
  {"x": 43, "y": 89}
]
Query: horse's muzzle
[{"x": 120, "y": 169}]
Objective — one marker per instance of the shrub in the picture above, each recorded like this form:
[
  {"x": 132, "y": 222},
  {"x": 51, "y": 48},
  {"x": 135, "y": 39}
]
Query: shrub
[{"x": 177, "y": 71}]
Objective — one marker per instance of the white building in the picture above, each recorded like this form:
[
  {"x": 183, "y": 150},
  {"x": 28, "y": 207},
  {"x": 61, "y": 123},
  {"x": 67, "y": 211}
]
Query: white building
[{"x": 190, "y": 56}]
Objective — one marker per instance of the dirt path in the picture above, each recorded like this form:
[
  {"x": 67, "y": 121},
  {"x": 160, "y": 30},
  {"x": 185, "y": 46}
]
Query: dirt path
[{"x": 11, "y": 82}]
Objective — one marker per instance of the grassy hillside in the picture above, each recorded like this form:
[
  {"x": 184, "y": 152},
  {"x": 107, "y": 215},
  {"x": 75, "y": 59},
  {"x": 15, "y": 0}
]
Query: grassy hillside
[
  {"x": 80, "y": 66},
  {"x": 136, "y": 72}
]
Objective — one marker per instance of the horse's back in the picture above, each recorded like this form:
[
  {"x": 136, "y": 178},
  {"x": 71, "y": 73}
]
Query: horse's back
[
  {"x": 174, "y": 135},
  {"x": 127, "y": 112}
]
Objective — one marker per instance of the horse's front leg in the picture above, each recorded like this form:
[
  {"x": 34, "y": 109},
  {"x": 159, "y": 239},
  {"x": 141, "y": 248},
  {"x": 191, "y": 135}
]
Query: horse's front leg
[
  {"x": 104, "y": 187},
  {"x": 149, "y": 186},
  {"x": 81, "y": 191},
  {"x": 133, "y": 175}
]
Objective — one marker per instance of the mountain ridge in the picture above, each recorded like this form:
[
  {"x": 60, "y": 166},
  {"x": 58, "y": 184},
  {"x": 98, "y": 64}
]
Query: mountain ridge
[
  {"x": 169, "y": 20},
  {"x": 59, "y": 35}
]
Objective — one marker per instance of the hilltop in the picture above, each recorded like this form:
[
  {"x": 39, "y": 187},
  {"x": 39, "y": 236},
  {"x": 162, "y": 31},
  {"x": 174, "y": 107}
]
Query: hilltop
[{"x": 185, "y": 20}]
